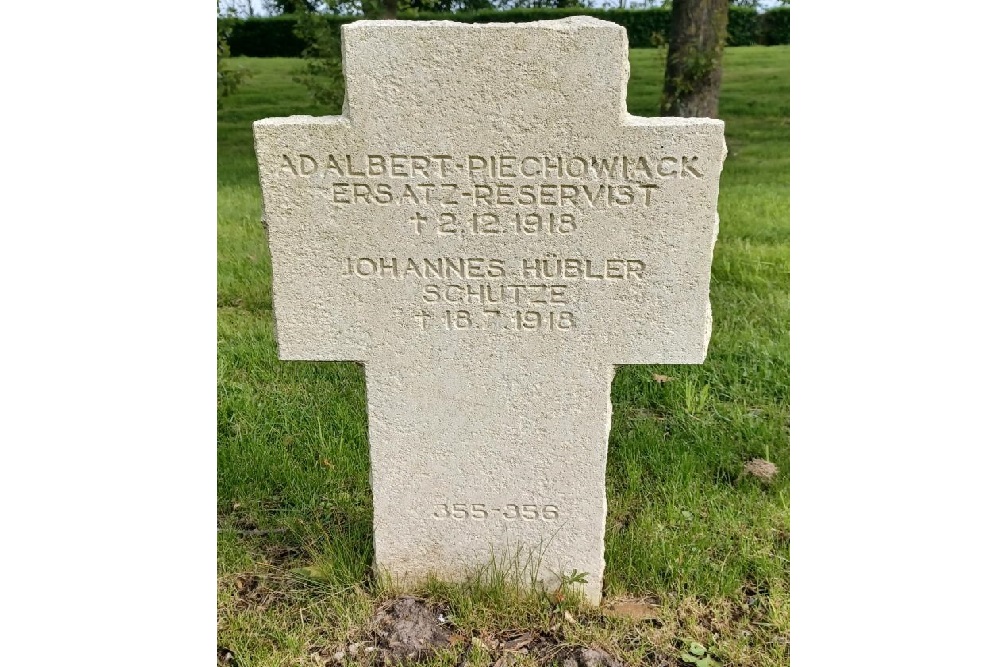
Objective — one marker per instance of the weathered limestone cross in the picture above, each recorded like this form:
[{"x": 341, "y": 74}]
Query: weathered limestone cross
[{"x": 490, "y": 232}]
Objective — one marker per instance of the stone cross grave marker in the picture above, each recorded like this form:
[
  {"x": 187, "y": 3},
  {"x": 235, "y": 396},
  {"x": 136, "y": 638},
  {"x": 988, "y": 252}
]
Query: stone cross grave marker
[{"x": 490, "y": 232}]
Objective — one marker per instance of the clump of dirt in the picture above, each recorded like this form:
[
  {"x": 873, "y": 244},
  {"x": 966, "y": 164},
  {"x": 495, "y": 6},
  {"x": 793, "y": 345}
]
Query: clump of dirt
[
  {"x": 761, "y": 469},
  {"x": 325, "y": 656},
  {"x": 581, "y": 656},
  {"x": 510, "y": 643},
  {"x": 254, "y": 591},
  {"x": 518, "y": 641},
  {"x": 408, "y": 630},
  {"x": 636, "y": 609},
  {"x": 242, "y": 523},
  {"x": 281, "y": 555},
  {"x": 225, "y": 657},
  {"x": 547, "y": 649}
]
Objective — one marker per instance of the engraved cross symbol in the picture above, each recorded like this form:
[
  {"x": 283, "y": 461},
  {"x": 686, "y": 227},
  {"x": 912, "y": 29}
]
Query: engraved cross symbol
[{"x": 490, "y": 232}]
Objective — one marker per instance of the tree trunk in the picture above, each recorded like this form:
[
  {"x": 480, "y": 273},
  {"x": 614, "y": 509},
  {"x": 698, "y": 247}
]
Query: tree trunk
[
  {"x": 694, "y": 58},
  {"x": 391, "y": 8}
]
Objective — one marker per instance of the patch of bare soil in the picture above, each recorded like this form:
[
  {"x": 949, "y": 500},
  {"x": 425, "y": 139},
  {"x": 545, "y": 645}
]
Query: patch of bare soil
[
  {"x": 637, "y": 609},
  {"x": 761, "y": 469},
  {"x": 409, "y": 630},
  {"x": 580, "y": 656}
]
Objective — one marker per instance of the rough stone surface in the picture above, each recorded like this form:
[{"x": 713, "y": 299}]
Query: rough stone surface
[{"x": 490, "y": 232}]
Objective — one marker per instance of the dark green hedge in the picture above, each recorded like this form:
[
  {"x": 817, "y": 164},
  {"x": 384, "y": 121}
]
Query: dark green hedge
[
  {"x": 742, "y": 26},
  {"x": 265, "y": 38},
  {"x": 641, "y": 24},
  {"x": 275, "y": 37},
  {"x": 776, "y": 26}
]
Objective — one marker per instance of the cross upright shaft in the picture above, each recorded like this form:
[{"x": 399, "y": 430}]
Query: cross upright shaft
[{"x": 490, "y": 232}]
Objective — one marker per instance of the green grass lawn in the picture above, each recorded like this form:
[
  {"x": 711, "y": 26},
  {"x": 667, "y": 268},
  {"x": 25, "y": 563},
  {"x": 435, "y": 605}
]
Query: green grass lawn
[{"x": 686, "y": 528}]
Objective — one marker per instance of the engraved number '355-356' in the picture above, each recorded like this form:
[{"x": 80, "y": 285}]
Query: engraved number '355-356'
[{"x": 508, "y": 512}]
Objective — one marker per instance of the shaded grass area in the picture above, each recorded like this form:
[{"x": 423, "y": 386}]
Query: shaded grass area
[{"x": 686, "y": 526}]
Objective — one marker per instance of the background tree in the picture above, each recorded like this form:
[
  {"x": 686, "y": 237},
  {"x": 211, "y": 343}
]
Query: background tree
[
  {"x": 227, "y": 78},
  {"x": 292, "y": 6},
  {"x": 321, "y": 72},
  {"x": 694, "y": 58}
]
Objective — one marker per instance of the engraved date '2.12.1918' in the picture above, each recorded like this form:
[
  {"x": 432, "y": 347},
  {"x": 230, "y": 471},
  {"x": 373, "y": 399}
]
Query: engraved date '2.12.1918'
[{"x": 482, "y": 511}]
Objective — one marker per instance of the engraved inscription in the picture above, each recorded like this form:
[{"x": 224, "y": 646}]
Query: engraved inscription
[
  {"x": 551, "y": 266},
  {"x": 493, "y": 294},
  {"x": 496, "y": 195},
  {"x": 508, "y": 512},
  {"x": 468, "y": 197},
  {"x": 496, "y": 319},
  {"x": 495, "y": 181},
  {"x": 525, "y": 224},
  {"x": 485, "y": 293},
  {"x": 478, "y": 167}
]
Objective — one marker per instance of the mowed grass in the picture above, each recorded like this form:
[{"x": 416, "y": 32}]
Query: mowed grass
[{"x": 686, "y": 527}]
